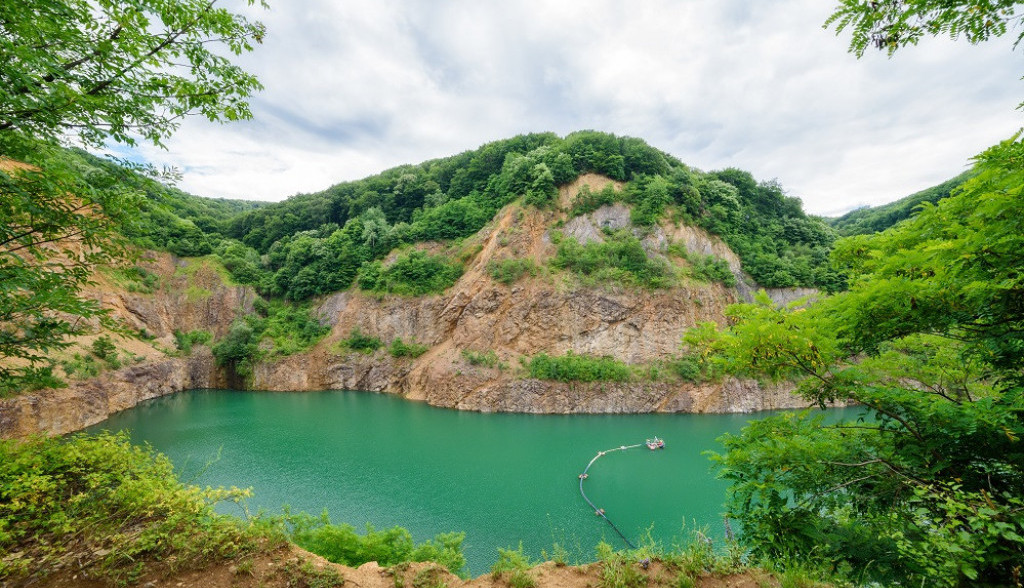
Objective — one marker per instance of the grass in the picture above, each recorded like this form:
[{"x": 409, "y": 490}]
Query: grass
[
  {"x": 186, "y": 340},
  {"x": 414, "y": 273},
  {"x": 399, "y": 348}
]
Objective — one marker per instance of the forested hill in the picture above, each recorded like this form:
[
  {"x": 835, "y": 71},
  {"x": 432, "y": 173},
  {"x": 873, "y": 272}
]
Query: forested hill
[
  {"x": 875, "y": 219},
  {"x": 317, "y": 243}
]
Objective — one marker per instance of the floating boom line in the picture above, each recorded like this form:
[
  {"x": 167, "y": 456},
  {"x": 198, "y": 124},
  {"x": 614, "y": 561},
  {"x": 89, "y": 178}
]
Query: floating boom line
[{"x": 600, "y": 511}]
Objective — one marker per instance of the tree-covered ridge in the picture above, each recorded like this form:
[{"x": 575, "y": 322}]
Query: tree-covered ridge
[
  {"x": 314, "y": 244},
  {"x": 875, "y": 219}
]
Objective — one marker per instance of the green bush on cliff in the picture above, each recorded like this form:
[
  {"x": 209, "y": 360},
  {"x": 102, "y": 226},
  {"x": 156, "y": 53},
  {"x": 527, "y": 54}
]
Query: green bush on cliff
[
  {"x": 620, "y": 258},
  {"x": 508, "y": 271},
  {"x": 399, "y": 348},
  {"x": 357, "y": 341},
  {"x": 186, "y": 340},
  {"x": 578, "y": 368},
  {"x": 415, "y": 273},
  {"x": 286, "y": 328},
  {"x": 114, "y": 508}
]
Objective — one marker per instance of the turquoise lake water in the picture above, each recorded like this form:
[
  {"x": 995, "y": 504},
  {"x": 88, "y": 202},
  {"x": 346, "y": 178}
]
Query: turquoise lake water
[{"x": 501, "y": 478}]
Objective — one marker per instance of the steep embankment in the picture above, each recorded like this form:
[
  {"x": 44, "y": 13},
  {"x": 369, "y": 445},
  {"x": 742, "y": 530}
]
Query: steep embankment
[{"x": 551, "y": 312}]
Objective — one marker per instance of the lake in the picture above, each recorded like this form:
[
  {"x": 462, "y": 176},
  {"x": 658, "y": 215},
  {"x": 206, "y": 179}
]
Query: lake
[{"x": 501, "y": 478}]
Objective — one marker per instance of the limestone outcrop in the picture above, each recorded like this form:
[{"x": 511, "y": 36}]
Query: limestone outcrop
[{"x": 548, "y": 312}]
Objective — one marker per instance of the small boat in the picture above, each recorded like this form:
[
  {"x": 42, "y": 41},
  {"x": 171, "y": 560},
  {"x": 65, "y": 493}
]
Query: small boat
[{"x": 655, "y": 443}]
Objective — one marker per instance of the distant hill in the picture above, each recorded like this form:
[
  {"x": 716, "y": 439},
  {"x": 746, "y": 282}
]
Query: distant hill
[
  {"x": 319, "y": 243},
  {"x": 874, "y": 219}
]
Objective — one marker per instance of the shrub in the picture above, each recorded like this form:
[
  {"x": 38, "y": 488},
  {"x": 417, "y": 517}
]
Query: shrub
[
  {"x": 185, "y": 341},
  {"x": 113, "y": 507},
  {"x": 620, "y": 258},
  {"x": 578, "y": 368},
  {"x": 415, "y": 273},
  {"x": 357, "y": 341},
  {"x": 389, "y": 547},
  {"x": 709, "y": 268},
  {"x": 103, "y": 348},
  {"x": 516, "y": 565},
  {"x": 399, "y": 348},
  {"x": 482, "y": 358},
  {"x": 508, "y": 271}
]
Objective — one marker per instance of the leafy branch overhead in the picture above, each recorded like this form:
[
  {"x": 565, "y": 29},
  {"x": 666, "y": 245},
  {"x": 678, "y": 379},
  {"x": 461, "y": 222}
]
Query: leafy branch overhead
[
  {"x": 116, "y": 70},
  {"x": 891, "y": 24}
]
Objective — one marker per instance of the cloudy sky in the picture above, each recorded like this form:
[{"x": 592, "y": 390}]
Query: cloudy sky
[{"x": 354, "y": 87}]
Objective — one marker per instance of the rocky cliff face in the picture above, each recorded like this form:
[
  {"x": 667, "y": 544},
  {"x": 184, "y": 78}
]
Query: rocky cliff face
[{"x": 550, "y": 312}]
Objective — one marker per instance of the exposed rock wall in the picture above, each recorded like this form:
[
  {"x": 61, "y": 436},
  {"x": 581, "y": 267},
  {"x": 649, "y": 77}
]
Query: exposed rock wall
[
  {"x": 547, "y": 312},
  {"x": 88, "y": 402}
]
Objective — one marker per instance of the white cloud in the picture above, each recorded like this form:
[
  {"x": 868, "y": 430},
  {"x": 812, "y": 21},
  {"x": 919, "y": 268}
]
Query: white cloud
[{"x": 355, "y": 87}]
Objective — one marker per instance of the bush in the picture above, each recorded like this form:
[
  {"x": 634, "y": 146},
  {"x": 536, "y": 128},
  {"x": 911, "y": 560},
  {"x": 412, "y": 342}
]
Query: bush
[
  {"x": 399, "y": 348},
  {"x": 415, "y": 273},
  {"x": 113, "y": 507},
  {"x": 508, "y": 271},
  {"x": 621, "y": 258},
  {"x": 185, "y": 341},
  {"x": 389, "y": 547},
  {"x": 709, "y": 268},
  {"x": 578, "y": 368},
  {"x": 516, "y": 565},
  {"x": 103, "y": 348},
  {"x": 482, "y": 358},
  {"x": 357, "y": 341}
]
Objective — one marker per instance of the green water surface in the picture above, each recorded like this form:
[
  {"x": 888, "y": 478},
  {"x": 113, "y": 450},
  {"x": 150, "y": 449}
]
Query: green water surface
[{"x": 500, "y": 478}]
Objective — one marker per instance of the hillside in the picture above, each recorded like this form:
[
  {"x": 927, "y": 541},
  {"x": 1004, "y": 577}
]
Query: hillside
[
  {"x": 875, "y": 219},
  {"x": 315, "y": 244}
]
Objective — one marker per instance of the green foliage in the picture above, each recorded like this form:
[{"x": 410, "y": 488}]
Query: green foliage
[
  {"x": 482, "y": 358},
  {"x": 578, "y": 368},
  {"x": 706, "y": 268},
  {"x": 103, "y": 348},
  {"x": 876, "y": 219},
  {"x": 357, "y": 341},
  {"x": 136, "y": 279},
  {"x": 508, "y": 271},
  {"x": 283, "y": 329},
  {"x": 186, "y": 340},
  {"x": 389, "y": 547},
  {"x": 620, "y": 258},
  {"x": 96, "y": 74},
  {"x": 889, "y": 26},
  {"x": 587, "y": 201},
  {"x": 619, "y": 570},
  {"x": 515, "y": 566},
  {"x": 414, "y": 273},
  {"x": 123, "y": 71},
  {"x": 81, "y": 367},
  {"x": 399, "y": 348},
  {"x": 114, "y": 507},
  {"x": 928, "y": 486}
]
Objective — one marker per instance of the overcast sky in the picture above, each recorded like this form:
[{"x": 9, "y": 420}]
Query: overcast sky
[{"x": 354, "y": 87}]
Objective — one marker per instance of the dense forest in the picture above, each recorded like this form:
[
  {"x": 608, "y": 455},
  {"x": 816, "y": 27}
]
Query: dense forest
[{"x": 313, "y": 244}]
